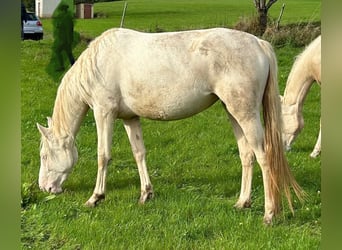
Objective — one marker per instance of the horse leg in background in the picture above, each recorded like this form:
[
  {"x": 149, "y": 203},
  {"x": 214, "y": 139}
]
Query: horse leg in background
[
  {"x": 247, "y": 160},
  {"x": 317, "y": 148},
  {"x": 104, "y": 126},
  {"x": 134, "y": 132}
]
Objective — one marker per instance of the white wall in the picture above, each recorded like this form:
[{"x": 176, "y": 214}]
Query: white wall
[{"x": 45, "y": 8}]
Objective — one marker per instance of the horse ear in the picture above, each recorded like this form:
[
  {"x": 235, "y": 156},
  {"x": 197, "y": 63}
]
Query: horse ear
[
  {"x": 43, "y": 131},
  {"x": 49, "y": 122}
]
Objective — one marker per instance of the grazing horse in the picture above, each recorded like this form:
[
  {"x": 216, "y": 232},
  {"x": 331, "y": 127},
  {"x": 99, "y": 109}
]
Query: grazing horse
[
  {"x": 125, "y": 74},
  {"x": 305, "y": 71}
]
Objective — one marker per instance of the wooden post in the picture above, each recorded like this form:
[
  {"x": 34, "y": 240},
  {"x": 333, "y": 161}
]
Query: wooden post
[
  {"x": 123, "y": 15},
  {"x": 280, "y": 15}
]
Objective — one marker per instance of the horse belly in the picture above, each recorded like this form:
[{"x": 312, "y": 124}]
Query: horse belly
[{"x": 169, "y": 105}]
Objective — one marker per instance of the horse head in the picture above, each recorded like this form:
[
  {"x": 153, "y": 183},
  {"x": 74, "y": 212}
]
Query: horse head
[
  {"x": 57, "y": 157},
  {"x": 293, "y": 123}
]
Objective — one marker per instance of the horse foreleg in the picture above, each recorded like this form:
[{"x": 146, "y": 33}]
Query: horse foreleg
[
  {"x": 134, "y": 132},
  {"x": 104, "y": 126},
  {"x": 247, "y": 161},
  {"x": 317, "y": 149}
]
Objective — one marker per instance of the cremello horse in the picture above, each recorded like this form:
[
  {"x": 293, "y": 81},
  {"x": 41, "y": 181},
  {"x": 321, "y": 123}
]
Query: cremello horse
[
  {"x": 127, "y": 74},
  {"x": 305, "y": 71}
]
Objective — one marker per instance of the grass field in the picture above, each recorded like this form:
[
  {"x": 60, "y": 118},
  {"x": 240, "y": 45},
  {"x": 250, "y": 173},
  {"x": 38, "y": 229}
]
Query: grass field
[{"x": 193, "y": 163}]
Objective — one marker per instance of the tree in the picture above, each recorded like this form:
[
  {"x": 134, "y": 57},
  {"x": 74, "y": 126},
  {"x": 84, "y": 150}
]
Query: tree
[
  {"x": 262, "y": 8},
  {"x": 29, "y": 4}
]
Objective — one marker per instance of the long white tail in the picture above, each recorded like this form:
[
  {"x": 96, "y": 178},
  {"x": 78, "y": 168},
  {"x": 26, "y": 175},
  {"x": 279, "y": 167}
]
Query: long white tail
[{"x": 281, "y": 177}]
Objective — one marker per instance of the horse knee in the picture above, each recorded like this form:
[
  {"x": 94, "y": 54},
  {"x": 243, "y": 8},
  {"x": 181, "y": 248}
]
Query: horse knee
[
  {"x": 247, "y": 158},
  {"x": 104, "y": 160},
  {"x": 139, "y": 155}
]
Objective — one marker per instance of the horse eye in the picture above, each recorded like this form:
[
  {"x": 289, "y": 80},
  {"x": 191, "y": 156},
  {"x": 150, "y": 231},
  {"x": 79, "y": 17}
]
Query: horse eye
[{"x": 44, "y": 157}]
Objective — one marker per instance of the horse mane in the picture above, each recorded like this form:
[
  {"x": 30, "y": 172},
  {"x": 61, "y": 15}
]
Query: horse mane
[{"x": 78, "y": 84}]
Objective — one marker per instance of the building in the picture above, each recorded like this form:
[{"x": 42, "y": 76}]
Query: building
[
  {"x": 84, "y": 10},
  {"x": 45, "y": 8}
]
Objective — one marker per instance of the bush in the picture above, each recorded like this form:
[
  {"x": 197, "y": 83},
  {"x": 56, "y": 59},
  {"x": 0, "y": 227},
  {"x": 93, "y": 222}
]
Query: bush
[
  {"x": 297, "y": 35},
  {"x": 248, "y": 24}
]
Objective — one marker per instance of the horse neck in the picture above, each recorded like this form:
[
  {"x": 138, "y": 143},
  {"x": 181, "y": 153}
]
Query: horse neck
[
  {"x": 298, "y": 84},
  {"x": 69, "y": 111}
]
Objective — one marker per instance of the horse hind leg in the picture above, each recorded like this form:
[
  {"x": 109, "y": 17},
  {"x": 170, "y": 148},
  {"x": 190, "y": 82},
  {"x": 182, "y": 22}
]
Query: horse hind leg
[
  {"x": 134, "y": 132},
  {"x": 247, "y": 160},
  {"x": 255, "y": 136},
  {"x": 253, "y": 143}
]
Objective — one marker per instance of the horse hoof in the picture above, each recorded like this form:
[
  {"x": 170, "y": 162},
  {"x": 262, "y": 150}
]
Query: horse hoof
[
  {"x": 267, "y": 221},
  {"x": 145, "y": 196},
  {"x": 243, "y": 204},
  {"x": 314, "y": 154},
  {"x": 268, "y": 218},
  {"x": 94, "y": 200},
  {"x": 90, "y": 204}
]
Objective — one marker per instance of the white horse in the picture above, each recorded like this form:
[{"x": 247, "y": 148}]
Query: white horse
[
  {"x": 305, "y": 71},
  {"x": 128, "y": 74}
]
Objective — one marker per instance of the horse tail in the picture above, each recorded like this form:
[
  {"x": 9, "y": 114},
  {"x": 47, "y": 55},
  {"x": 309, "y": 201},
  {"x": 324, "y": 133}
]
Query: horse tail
[{"x": 281, "y": 177}]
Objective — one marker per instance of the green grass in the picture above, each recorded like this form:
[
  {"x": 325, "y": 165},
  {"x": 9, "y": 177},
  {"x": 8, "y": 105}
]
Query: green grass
[
  {"x": 181, "y": 15},
  {"x": 193, "y": 163}
]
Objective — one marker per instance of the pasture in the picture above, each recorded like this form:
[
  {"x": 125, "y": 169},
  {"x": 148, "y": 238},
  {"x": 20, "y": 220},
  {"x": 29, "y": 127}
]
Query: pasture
[{"x": 193, "y": 164}]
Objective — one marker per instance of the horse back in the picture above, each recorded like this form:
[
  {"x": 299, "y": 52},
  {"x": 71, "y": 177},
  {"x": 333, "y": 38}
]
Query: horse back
[{"x": 174, "y": 75}]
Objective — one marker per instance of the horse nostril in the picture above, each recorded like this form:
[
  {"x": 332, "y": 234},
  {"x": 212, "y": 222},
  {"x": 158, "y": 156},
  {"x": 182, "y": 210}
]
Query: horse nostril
[{"x": 49, "y": 189}]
